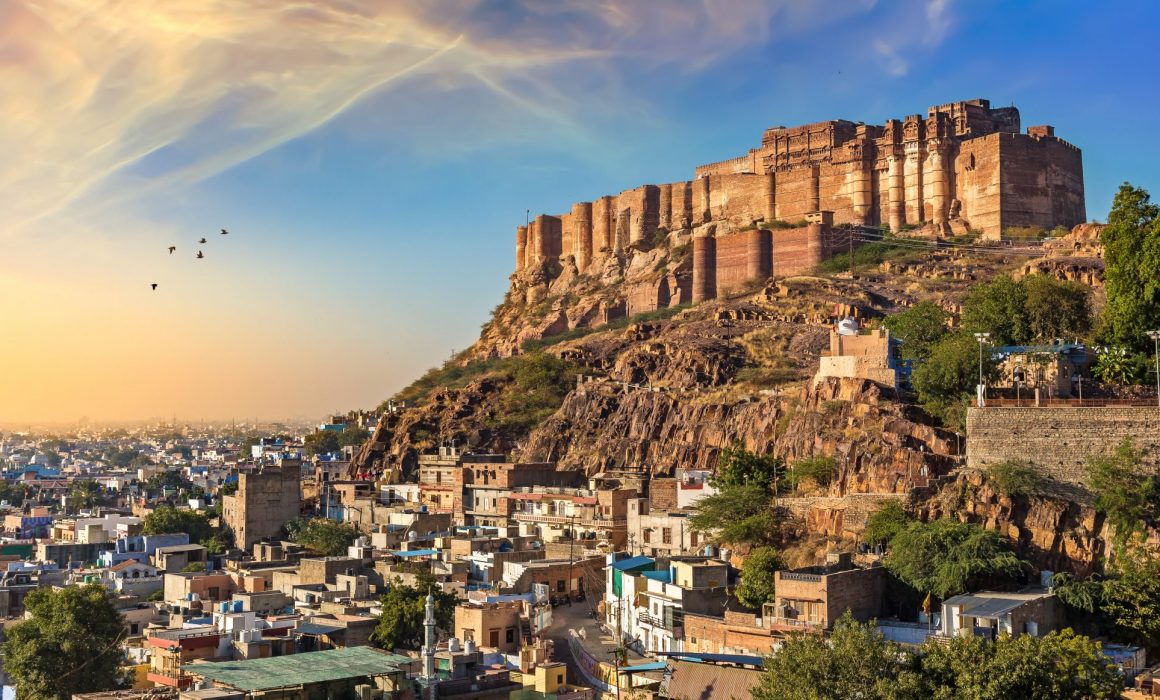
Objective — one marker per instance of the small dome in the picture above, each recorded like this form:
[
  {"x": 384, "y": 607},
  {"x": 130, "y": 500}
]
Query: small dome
[{"x": 848, "y": 326}]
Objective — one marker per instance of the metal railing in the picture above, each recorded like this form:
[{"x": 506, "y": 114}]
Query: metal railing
[{"x": 1063, "y": 403}]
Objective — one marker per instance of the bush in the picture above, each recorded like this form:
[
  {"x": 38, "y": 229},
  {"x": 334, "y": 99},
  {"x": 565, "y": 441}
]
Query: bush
[
  {"x": 766, "y": 376},
  {"x": 869, "y": 255},
  {"x": 1015, "y": 478},
  {"x": 756, "y": 587},
  {"x": 1024, "y": 233},
  {"x": 946, "y": 558},
  {"x": 820, "y": 470},
  {"x": 919, "y": 328},
  {"x": 886, "y": 522}
]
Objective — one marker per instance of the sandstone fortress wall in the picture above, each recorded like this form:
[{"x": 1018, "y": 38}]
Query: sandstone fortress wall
[
  {"x": 785, "y": 206},
  {"x": 1059, "y": 440}
]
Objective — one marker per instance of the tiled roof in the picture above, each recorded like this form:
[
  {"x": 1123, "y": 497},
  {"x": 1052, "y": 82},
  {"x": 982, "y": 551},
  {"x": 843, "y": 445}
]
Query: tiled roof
[{"x": 709, "y": 682}]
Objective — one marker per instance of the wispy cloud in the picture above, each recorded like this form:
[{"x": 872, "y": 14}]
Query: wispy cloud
[
  {"x": 116, "y": 97},
  {"x": 891, "y": 61}
]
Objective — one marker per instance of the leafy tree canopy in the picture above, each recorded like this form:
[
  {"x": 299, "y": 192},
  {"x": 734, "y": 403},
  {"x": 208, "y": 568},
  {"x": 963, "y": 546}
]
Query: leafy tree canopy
[
  {"x": 947, "y": 558},
  {"x": 919, "y": 328},
  {"x": 69, "y": 644},
  {"x": 854, "y": 662},
  {"x": 886, "y": 522},
  {"x": 1130, "y": 596},
  {"x": 756, "y": 587},
  {"x": 353, "y": 436},
  {"x": 165, "y": 520},
  {"x": 404, "y": 609},
  {"x": 1061, "y": 665},
  {"x": 322, "y": 535},
  {"x": 1124, "y": 493},
  {"x": 737, "y": 514},
  {"x": 1131, "y": 242},
  {"x": 737, "y": 466},
  {"x": 321, "y": 442}
]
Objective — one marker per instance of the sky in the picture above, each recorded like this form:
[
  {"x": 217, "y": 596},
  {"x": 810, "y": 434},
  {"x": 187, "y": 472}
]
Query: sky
[{"x": 371, "y": 160}]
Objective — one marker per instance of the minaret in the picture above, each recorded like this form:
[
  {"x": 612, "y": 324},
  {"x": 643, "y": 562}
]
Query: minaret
[{"x": 429, "y": 640}]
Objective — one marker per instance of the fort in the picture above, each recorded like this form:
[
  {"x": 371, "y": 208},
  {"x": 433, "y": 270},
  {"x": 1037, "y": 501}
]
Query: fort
[{"x": 784, "y": 207}]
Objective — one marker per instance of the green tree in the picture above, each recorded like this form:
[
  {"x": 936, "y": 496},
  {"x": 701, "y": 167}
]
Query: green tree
[
  {"x": 997, "y": 307},
  {"x": 68, "y": 644},
  {"x": 737, "y": 466},
  {"x": 737, "y": 514},
  {"x": 819, "y": 470},
  {"x": 1056, "y": 308},
  {"x": 946, "y": 558},
  {"x": 353, "y": 436},
  {"x": 756, "y": 587},
  {"x": 919, "y": 328},
  {"x": 1084, "y": 595},
  {"x": 400, "y": 625},
  {"x": 856, "y": 661},
  {"x": 1130, "y": 597},
  {"x": 1120, "y": 366},
  {"x": 1060, "y": 666},
  {"x": 1016, "y": 478},
  {"x": 1131, "y": 243},
  {"x": 1125, "y": 494},
  {"x": 322, "y": 535},
  {"x": 321, "y": 442},
  {"x": 886, "y": 522},
  {"x": 85, "y": 494},
  {"x": 166, "y": 520},
  {"x": 168, "y": 478},
  {"x": 193, "y": 567},
  {"x": 952, "y": 370}
]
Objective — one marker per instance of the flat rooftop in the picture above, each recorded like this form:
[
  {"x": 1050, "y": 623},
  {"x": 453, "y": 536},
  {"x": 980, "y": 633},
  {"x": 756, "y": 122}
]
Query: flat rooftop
[{"x": 300, "y": 669}]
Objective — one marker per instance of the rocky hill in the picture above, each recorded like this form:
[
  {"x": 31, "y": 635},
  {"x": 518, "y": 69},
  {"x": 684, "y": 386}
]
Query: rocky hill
[{"x": 672, "y": 387}]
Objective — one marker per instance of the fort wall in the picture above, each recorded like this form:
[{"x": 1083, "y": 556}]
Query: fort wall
[{"x": 1059, "y": 440}]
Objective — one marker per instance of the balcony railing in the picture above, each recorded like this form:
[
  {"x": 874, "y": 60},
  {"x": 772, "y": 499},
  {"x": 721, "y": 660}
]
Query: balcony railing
[
  {"x": 677, "y": 621},
  {"x": 569, "y": 520},
  {"x": 805, "y": 578}
]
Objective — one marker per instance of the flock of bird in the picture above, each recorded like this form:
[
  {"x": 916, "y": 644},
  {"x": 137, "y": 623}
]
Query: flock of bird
[{"x": 200, "y": 254}]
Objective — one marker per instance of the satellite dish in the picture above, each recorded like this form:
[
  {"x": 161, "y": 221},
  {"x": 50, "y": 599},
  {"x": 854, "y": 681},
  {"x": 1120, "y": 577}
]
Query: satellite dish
[{"x": 848, "y": 326}]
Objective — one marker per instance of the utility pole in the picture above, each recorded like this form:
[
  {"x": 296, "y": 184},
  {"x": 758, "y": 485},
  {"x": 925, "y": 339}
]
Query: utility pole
[
  {"x": 571, "y": 541},
  {"x": 980, "y": 390},
  {"x": 1155, "y": 336}
]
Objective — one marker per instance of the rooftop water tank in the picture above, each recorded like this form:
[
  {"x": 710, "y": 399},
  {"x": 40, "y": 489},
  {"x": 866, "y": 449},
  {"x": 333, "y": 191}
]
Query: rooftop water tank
[
  {"x": 453, "y": 644},
  {"x": 469, "y": 646},
  {"x": 848, "y": 326}
]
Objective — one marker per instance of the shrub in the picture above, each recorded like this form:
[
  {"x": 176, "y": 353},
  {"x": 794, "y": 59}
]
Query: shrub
[
  {"x": 886, "y": 522},
  {"x": 1015, "y": 478},
  {"x": 820, "y": 470},
  {"x": 1024, "y": 233}
]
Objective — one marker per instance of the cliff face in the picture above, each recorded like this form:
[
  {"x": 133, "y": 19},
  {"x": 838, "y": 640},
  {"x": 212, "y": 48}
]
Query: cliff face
[{"x": 669, "y": 389}]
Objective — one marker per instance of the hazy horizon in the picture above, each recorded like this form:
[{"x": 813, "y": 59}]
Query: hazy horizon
[{"x": 371, "y": 161}]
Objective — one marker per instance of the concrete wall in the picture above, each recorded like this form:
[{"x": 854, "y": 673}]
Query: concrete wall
[
  {"x": 1059, "y": 440},
  {"x": 263, "y": 503}
]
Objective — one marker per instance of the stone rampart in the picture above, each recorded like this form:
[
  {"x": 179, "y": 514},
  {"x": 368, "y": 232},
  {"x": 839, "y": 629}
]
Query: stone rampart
[{"x": 1059, "y": 440}]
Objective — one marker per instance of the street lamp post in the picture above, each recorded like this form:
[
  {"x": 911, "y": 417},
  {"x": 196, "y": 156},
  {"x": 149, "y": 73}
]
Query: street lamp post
[
  {"x": 981, "y": 389},
  {"x": 1155, "y": 336}
]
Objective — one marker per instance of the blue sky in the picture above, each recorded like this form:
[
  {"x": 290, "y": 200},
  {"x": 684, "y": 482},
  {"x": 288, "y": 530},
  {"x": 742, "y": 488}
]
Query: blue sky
[{"x": 373, "y": 159}]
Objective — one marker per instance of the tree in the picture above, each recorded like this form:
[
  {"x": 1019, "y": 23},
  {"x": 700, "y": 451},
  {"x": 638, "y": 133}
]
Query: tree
[
  {"x": 855, "y": 662},
  {"x": 997, "y": 307},
  {"x": 737, "y": 466},
  {"x": 1131, "y": 243},
  {"x": 1124, "y": 493},
  {"x": 946, "y": 558},
  {"x": 169, "y": 478},
  {"x": 1055, "y": 308},
  {"x": 1131, "y": 597},
  {"x": 400, "y": 625},
  {"x": 1120, "y": 366},
  {"x": 193, "y": 567},
  {"x": 952, "y": 369},
  {"x": 69, "y": 644},
  {"x": 321, "y": 442},
  {"x": 322, "y": 535},
  {"x": 1015, "y": 478},
  {"x": 737, "y": 514},
  {"x": 919, "y": 328},
  {"x": 84, "y": 494},
  {"x": 886, "y": 522},
  {"x": 819, "y": 470},
  {"x": 165, "y": 520},
  {"x": 756, "y": 587},
  {"x": 353, "y": 436},
  {"x": 1060, "y": 666}
]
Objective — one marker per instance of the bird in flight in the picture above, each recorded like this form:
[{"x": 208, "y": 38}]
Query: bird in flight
[
  {"x": 200, "y": 255},
  {"x": 154, "y": 286},
  {"x": 224, "y": 232},
  {"x": 202, "y": 241},
  {"x": 172, "y": 248}
]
